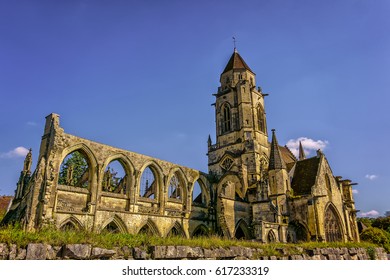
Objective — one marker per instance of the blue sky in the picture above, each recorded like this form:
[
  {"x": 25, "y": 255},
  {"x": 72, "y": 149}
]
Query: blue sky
[{"x": 140, "y": 75}]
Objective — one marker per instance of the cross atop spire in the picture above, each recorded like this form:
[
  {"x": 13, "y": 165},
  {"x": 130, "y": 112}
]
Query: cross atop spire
[{"x": 234, "y": 43}]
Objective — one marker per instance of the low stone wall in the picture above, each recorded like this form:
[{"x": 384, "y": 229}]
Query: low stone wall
[{"x": 38, "y": 251}]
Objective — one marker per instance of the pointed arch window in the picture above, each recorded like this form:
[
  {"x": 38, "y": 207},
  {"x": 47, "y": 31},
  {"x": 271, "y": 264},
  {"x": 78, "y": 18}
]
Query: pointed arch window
[
  {"x": 226, "y": 118},
  {"x": 175, "y": 188},
  {"x": 333, "y": 231},
  {"x": 115, "y": 178},
  {"x": 74, "y": 170},
  {"x": 198, "y": 194},
  {"x": 261, "y": 119},
  {"x": 148, "y": 186}
]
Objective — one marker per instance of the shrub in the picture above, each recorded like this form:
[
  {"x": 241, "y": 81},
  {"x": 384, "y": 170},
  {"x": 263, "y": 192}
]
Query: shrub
[{"x": 376, "y": 236}]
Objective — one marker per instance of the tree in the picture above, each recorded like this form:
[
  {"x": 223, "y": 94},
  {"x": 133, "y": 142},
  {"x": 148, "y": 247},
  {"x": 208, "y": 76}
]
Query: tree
[
  {"x": 382, "y": 223},
  {"x": 376, "y": 236},
  {"x": 74, "y": 171}
]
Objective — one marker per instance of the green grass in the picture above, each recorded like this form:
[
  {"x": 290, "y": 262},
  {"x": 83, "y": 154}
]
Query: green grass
[{"x": 15, "y": 235}]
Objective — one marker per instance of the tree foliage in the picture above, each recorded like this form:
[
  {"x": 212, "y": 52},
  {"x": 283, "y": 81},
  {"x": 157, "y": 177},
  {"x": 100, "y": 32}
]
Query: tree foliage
[
  {"x": 74, "y": 171},
  {"x": 382, "y": 223}
]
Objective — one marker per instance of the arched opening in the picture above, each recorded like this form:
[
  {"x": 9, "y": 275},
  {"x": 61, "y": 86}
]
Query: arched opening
[
  {"x": 176, "y": 230},
  {"x": 240, "y": 234},
  {"x": 198, "y": 195},
  {"x": 148, "y": 185},
  {"x": 297, "y": 232},
  {"x": 112, "y": 228},
  {"x": 115, "y": 178},
  {"x": 69, "y": 226},
  {"x": 333, "y": 230},
  {"x": 200, "y": 231},
  {"x": 146, "y": 230},
  {"x": 271, "y": 238},
  {"x": 261, "y": 119},
  {"x": 74, "y": 170},
  {"x": 175, "y": 188},
  {"x": 226, "y": 118},
  {"x": 242, "y": 231}
]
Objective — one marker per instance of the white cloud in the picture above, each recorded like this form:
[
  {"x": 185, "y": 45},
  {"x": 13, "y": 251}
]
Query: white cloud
[
  {"x": 372, "y": 213},
  {"x": 308, "y": 145},
  {"x": 31, "y": 123},
  {"x": 17, "y": 152},
  {"x": 371, "y": 177},
  {"x": 355, "y": 191}
]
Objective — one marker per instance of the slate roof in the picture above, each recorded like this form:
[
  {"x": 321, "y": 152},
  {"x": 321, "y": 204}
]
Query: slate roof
[
  {"x": 288, "y": 157},
  {"x": 305, "y": 175},
  {"x": 236, "y": 62}
]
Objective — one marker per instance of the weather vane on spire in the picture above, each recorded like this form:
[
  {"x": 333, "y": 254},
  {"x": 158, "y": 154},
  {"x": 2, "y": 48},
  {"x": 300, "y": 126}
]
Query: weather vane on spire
[{"x": 234, "y": 43}]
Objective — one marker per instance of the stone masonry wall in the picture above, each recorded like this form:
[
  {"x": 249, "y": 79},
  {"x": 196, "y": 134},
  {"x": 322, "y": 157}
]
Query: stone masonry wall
[{"x": 38, "y": 251}]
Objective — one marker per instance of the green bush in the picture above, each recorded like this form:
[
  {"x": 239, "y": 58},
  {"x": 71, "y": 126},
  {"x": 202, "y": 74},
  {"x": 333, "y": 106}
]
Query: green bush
[{"x": 376, "y": 236}]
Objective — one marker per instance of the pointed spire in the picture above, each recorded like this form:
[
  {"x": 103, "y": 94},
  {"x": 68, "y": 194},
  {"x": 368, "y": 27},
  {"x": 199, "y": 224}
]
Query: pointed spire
[
  {"x": 236, "y": 62},
  {"x": 28, "y": 161},
  {"x": 302, "y": 155},
  {"x": 275, "y": 158},
  {"x": 209, "y": 141}
]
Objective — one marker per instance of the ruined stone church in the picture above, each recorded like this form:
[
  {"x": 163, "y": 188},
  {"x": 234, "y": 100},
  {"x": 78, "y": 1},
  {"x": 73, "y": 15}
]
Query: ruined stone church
[{"x": 255, "y": 188}]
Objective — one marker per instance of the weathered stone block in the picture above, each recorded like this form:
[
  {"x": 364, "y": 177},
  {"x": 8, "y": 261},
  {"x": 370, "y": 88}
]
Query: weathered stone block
[
  {"x": 36, "y": 251},
  {"x": 77, "y": 251},
  {"x": 140, "y": 254},
  {"x": 352, "y": 251},
  {"x": 13, "y": 250},
  {"x": 210, "y": 254},
  {"x": 332, "y": 257},
  {"x": 4, "y": 251},
  {"x": 158, "y": 252},
  {"x": 100, "y": 253},
  {"x": 344, "y": 251},
  {"x": 171, "y": 252},
  {"x": 54, "y": 252}
]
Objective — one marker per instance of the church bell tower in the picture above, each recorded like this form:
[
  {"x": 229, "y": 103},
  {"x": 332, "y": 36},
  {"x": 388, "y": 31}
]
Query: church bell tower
[{"x": 241, "y": 146}]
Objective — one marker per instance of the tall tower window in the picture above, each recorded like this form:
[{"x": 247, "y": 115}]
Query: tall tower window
[
  {"x": 226, "y": 118},
  {"x": 261, "y": 118}
]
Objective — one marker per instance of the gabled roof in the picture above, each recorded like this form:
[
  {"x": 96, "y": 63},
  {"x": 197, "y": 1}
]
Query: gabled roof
[
  {"x": 288, "y": 157},
  {"x": 236, "y": 62},
  {"x": 305, "y": 175}
]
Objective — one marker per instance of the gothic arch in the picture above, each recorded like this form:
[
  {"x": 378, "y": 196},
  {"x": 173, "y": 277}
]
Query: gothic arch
[
  {"x": 200, "y": 230},
  {"x": 297, "y": 232},
  {"x": 271, "y": 237},
  {"x": 241, "y": 231},
  {"x": 332, "y": 224},
  {"x": 205, "y": 195},
  {"x": 115, "y": 223},
  {"x": 126, "y": 164},
  {"x": 223, "y": 186},
  {"x": 261, "y": 121},
  {"x": 84, "y": 149},
  {"x": 158, "y": 180},
  {"x": 182, "y": 185},
  {"x": 89, "y": 156},
  {"x": 149, "y": 228},
  {"x": 176, "y": 230},
  {"x": 71, "y": 222}
]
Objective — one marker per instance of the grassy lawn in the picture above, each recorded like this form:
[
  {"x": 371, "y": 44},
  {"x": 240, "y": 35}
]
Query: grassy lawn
[{"x": 15, "y": 235}]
